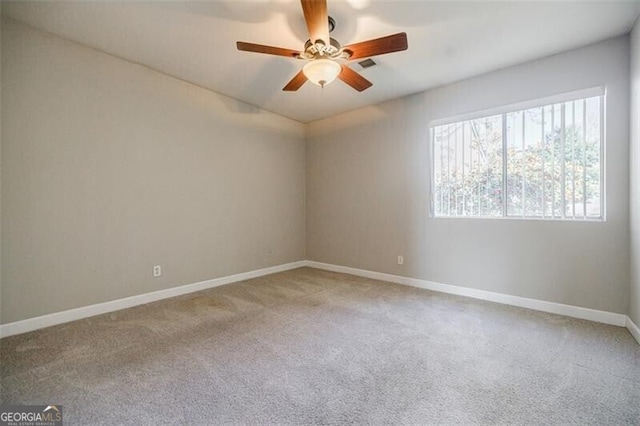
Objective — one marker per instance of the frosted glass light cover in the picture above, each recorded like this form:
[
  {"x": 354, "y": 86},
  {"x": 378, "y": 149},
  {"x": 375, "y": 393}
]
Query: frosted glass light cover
[{"x": 321, "y": 71}]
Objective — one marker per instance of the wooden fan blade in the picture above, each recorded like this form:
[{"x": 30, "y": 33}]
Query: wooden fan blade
[
  {"x": 378, "y": 46},
  {"x": 269, "y": 50},
  {"x": 296, "y": 82},
  {"x": 354, "y": 79},
  {"x": 317, "y": 18}
]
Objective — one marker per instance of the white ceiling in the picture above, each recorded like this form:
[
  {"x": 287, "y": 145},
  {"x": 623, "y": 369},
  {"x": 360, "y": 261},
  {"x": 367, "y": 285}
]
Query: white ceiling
[{"x": 195, "y": 41}]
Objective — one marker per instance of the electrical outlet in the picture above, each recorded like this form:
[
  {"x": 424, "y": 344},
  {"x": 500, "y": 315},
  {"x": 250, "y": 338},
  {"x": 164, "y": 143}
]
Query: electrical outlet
[
  {"x": 157, "y": 271},
  {"x": 400, "y": 260}
]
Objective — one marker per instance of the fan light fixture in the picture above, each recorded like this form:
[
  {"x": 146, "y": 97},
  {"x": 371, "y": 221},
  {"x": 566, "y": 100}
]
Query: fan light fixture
[
  {"x": 321, "y": 71},
  {"x": 327, "y": 57}
]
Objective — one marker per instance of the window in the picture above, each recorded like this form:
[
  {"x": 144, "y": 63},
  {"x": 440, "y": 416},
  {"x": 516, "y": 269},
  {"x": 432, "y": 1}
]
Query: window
[{"x": 543, "y": 161}]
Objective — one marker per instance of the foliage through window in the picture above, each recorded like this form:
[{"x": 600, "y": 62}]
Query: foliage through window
[{"x": 542, "y": 162}]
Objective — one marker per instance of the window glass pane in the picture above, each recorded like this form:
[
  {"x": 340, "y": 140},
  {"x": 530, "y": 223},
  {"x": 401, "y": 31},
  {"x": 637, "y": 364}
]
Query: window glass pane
[
  {"x": 489, "y": 145},
  {"x": 593, "y": 167},
  {"x": 556, "y": 159},
  {"x": 514, "y": 164},
  {"x": 551, "y": 156},
  {"x": 578, "y": 159},
  {"x": 548, "y": 161},
  {"x": 468, "y": 168},
  {"x": 533, "y": 161},
  {"x": 436, "y": 137},
  {"x": 567, "y": 147}
]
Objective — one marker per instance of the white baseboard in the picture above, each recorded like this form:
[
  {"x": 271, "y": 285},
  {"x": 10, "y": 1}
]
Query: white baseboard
[
  {"x": 36, "y": 323},
  {"x": 633, "y": 329},
  {"x": 604, "y": 317}
]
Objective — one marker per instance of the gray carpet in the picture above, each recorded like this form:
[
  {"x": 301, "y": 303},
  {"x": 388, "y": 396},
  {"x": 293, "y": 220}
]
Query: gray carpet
[{"x": 315, "y": 347}]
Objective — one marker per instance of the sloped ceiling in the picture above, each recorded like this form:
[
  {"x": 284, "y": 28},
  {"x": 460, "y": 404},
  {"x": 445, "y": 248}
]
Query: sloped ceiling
[{"x": 195, "y": 41}]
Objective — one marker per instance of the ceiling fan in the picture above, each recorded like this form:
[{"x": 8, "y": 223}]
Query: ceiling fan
[{"x": 324, "y": 52}]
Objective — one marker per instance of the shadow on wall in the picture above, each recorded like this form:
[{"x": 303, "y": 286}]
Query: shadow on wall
[
  {"x": 273, "y": 72},
  {"x": 243, "y": 113},
  {"x": 239, "y": 107}
]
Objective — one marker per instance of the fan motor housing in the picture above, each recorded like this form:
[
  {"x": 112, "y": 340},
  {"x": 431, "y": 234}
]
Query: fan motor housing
[{"x": 319, "y": 50}]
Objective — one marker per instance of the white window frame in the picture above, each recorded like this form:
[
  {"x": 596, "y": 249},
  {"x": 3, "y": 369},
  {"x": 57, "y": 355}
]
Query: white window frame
[{"x": 505, "y": 109}]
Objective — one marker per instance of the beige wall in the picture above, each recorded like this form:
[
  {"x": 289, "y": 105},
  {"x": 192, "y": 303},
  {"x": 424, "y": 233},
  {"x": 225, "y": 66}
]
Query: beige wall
[
  {"x": 634, "y": 299},
  {"x": 368, "y": 191},
  {"x": 110, "y": 168}
]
